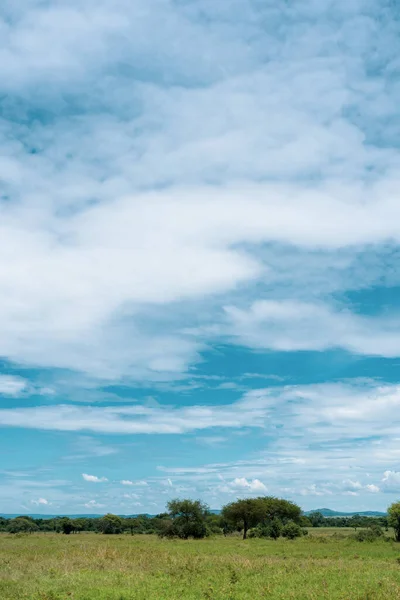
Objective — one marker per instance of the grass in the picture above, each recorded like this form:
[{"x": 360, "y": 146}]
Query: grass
[{"x": 326, "y": 564}]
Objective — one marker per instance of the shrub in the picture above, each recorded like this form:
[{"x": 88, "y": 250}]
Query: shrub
[
  {"x": 377, "y": 529},
  {"x": 366, "y": 535},
  {"x": 292, "y": 530},
  {"x": 267, "y": 530}
]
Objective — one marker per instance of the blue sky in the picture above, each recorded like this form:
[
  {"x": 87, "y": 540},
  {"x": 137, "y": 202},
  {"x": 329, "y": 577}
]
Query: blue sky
[{"x": 199, "y": 241}]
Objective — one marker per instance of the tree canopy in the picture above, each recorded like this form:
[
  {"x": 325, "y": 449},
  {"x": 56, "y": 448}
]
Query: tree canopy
[
  {"x": 394, "y": 519},
  {"x": 187, "y": 518},
  {"x": 250, "y": 512}
]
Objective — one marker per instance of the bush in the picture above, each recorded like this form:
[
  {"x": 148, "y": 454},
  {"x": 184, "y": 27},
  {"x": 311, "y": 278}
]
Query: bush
[
  {"x": 366, "y": 535},
  {"x": 267, "y": 530},
  {"x": 377, "y": 529},
  {"x": 292, "y": 530}
]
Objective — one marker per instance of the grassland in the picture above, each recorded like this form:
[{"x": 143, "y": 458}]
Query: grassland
[{"x": 326, "y": 564}]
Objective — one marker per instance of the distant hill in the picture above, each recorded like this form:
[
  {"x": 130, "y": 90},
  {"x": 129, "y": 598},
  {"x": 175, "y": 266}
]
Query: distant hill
[{"x": 327, "y": 512}]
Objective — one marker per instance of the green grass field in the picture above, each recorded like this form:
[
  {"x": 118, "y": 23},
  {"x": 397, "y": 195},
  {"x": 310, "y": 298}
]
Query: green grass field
[{"x": 325, "y": 564}]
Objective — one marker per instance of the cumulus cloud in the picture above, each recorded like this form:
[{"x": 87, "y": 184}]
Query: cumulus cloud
[
  {"x": 94, "y": 478},
  {"x": 254, "y": 485},
  {"x": 41, "y": 501},
  {"x": 374, "y": 489},
  {"x": 242, "y": 485},
  {"x": 391, "y": 481}
]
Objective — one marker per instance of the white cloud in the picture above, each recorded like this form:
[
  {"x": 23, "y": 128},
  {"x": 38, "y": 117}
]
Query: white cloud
[
  {"x": 363, "y": 408},
  {"x": 374, "y": 489},
  {"x": 315, "y": 490},
  {"x": 94, "y": 478},
  {"x": 41, "y": 501},
  {"x": 391, "y": 481},
  {"x": 139, "y": 483},
  {"x": 242, "y": 485},
  {"x": 356, "y": 487},
  {"x": 164, "y": 200},
  {"x": 93, "y": 504},
  {"x": 12, "y": 386},
  {"x": 293, "y": 325},
  {"x": 254, "y": 485},
  {"x": 280, "y": 161}
]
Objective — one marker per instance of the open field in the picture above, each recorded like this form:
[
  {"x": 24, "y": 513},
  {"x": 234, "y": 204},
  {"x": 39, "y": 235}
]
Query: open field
[{"x": 326, "y": 564}]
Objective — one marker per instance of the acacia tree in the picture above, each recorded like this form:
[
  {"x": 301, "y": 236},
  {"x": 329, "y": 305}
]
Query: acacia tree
[
  {"x": 394, "y": 519},
  {"x": 187, "y": 518},
  {"x": 250, "y": 512},
  {"x": 278, "y": 508},
  {"x": 245, "y": 513}
]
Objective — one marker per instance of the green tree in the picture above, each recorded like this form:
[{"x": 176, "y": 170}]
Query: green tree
[
  {"x": 187, "y": 518},
  {"x": 111, "y": 524},
  {"x": 278, "y": 508},
  {"x": 244, "y": 514},
  {"x": 394, "y": 519},
  {"x": 251, "y": 512},
  {"x": 355, "y": 521},
  {"x": 22, "y": 525},
  {"x": 317, "y": 519},
  {"x": 66, "y": 525}
]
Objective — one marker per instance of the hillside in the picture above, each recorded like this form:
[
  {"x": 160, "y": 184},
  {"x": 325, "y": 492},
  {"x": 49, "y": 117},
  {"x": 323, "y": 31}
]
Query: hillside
[{"x": 327, "y": 512}]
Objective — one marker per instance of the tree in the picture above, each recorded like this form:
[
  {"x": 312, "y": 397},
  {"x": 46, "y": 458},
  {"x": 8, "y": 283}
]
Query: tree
[
  {"x": 67, "y": 526},
  {"x": 22, "y": 525},
  {"x": 244, "y": 514},
  {"x": 111, "y": 524},
  {"x": 355, "y": 521},
  {"x": 187, "y": 518},
  {"x": 394, "y": 519},
  {"x": 251, "y": 512},
  {"x": 278, "y": 508},
  {"x": 317, "y": 519}
]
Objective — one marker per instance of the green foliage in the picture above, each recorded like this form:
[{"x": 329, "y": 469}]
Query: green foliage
[
  {"x": 263, "y": 511},
  {"x": 22, "y": 525},
  {"x": 365, "y": 535},
  {"x": 111, "y": 524},
  {"x": 66, "y": 525},
  {"x": 187, "y": 518},
  {"x": 271, "y": 530},
  {"x": 244, "y": 514},
  {"x": 291, "y": 530},
  {"x": 394, "y": 519},
  {"x": 305, "y": 521}
]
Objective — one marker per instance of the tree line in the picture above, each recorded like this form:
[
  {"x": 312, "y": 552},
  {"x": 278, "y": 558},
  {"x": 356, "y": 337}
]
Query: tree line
[{"x": 265, "y": 516}]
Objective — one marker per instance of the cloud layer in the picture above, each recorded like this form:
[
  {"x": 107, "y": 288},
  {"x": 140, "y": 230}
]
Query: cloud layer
[{"x": 185, "y": 181}]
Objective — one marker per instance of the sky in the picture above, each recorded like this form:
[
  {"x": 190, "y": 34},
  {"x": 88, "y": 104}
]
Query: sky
[{"x": 199, "y": 253}]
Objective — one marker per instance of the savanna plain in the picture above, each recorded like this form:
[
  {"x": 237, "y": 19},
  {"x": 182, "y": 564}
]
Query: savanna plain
[{"x": 327, "y": 563}]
